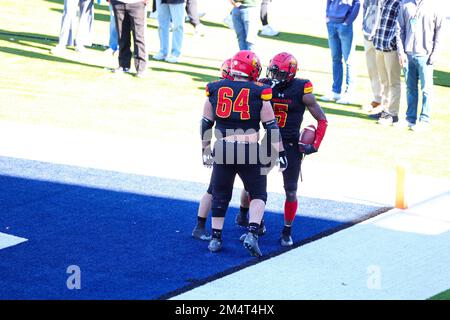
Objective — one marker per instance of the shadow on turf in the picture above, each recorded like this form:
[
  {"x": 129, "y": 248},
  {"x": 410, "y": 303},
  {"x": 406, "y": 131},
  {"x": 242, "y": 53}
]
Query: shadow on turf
[
  {"x": 16, "y": 38},
  {"x": 304, "y": 39},
  {"x": 196, "y": 76},
  {"x": 128, "y": 243}
]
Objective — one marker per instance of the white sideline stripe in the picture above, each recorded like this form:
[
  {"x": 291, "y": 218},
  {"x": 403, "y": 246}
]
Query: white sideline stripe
[
  {"x": 7, "y": 240},
  {"x": 409, "y": 248}
]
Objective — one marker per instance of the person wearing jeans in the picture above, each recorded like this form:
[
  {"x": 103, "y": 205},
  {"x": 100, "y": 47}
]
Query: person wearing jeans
[
  {"x": 170, "y": 11},
  {"x": 245, "y": 16},
  {"x": 113, "y": 36},
  {"x": 340, "y": 18},
  {"x": 419, "y": 30}
]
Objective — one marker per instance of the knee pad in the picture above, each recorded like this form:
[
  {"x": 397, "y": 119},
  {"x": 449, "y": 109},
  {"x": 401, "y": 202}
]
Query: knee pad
[
  {"x": 220, "y": 205},
  {"x": 291, "y": 187},
  {"x": 260, "y": 196},
  {"x": 291, "y": 195}
]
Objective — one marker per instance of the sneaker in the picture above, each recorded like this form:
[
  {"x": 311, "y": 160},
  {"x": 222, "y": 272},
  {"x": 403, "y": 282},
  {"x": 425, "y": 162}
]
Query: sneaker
[
  {"x": 215, "y": 245},
  {"x": 377, "y": 110},
  {"x": 201, "y": 234},
  {"x": 228, "y": 21},
  {"x": 376, "y": 116},
  {"x": 421, "y": 126},
  {"x": 346, "y": 98},
  {"x": 141, "y": 74},
  {"x": 171, "y": 59},
  {"x": 199, "y": 30},
  {"x": 286, "y": 240},
  {"x": 242, "y": 219},
  {"x": 251, "y": 244},
  {"x": 121, "y": 70},
  {"x": 81, "y": 49},
  {"x": 404, "y": 124},
  {"x": 267, "y": 30},
  {"x": 386, "y": 119},
  {"x": 371, "y": 106},
  {"x": 159, "y": 56},
  {"x": 330, "y": 96},
  {"x": 58, "y": 50},
  {"x": 110, "y": 51}
]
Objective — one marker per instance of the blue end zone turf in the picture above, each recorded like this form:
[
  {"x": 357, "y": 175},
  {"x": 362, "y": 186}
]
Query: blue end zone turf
[{"x": 130, "y": 235}]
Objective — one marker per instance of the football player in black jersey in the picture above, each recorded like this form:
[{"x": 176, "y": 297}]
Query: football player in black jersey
[
  {"x": 290, "y": 97},
  {"x": 236, "y": 108}
]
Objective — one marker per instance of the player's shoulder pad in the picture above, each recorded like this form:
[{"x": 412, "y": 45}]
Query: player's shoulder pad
[
  {"x": 266, "y": 93},
  {"x": 210, "y": 87},
  {"x": 307, "y": 86}
]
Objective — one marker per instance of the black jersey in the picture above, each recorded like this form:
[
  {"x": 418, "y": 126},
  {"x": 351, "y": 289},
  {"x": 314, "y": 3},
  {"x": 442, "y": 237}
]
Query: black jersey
[
  {"x": 288, "y": 106},
  {"x": 237, "y": 104}
]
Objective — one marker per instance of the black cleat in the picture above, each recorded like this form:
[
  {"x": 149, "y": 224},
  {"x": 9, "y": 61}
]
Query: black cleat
[
  {"x": 242, "y": 219},
  {"x": 200, "y": 234},
  {"x": 215, "y": 245},
  {"x": 286, "y": 240},
  {"x": 251, "y": 244}
]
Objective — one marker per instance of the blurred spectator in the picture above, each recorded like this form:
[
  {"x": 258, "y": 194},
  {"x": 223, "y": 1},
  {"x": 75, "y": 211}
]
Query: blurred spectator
[
  {"x": 113, "y": 36},
  {"x": 419, "y": 33},
  {"x": 340, "y": 18},
  {"x": 131, "y": 20},
  {"x": 371, "y": 16},
  {"x": 267, "y": 29},
  {"x": 387, "y": 62},
  {"x": 170, "y": 11},
  {"x": 193, "y": 17},
  {"x": 85, "y": 25},
  {"x": 245, "y": 21}
]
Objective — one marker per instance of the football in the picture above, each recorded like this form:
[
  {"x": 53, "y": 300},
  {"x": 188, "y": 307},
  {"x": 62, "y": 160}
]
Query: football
[{"x": 307, "y": 135}]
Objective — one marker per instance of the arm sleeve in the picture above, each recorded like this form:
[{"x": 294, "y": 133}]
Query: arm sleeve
[
  {"x": 400, "y": 31},
  {"x": 438, "y": 29},
  {"x": 353, "y": 13}
]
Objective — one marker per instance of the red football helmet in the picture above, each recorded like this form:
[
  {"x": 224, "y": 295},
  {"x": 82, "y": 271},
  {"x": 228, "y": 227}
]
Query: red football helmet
[
  {"x": 225, "y": 70},
  {"x": 282, "y": 67},
  {"x": 246, "y": 63}
]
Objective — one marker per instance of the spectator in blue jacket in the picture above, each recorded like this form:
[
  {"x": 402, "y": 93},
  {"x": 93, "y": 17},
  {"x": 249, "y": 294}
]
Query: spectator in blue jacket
[{"x": 340, "y": 17}]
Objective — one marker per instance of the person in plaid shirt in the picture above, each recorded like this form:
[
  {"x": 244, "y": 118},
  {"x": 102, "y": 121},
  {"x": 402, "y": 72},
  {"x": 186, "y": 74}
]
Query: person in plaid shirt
[{"x": 387, "y": 62}]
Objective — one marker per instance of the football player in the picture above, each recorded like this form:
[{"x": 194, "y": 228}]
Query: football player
[
  {"x": 290, "y": 97},
  {"x": 236, "y": 108},
  {"x": 204, "y": 207}
]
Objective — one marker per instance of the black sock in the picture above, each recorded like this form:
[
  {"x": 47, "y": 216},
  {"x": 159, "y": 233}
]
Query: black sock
[
  {"x": 243, "y": 210},
  {"x": 253, "y": 228},
  {"x": 201, "y": 222},
  {"x": 287, "y": 231},
  {"x": 217, "y": 233}
]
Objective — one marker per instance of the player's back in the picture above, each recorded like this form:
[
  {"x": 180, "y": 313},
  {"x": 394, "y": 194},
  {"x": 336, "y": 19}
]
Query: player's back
[{"x": 237, "y": 104}]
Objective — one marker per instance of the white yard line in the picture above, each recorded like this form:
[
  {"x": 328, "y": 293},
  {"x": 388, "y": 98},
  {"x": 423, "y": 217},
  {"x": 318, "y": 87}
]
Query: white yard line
[{"x": 396, "y": 255}]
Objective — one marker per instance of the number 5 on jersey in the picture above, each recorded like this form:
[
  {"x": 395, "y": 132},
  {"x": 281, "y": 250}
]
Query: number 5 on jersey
[
  {"x": 280, "y": 110},
  {"x": 225, "y": 103}
]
